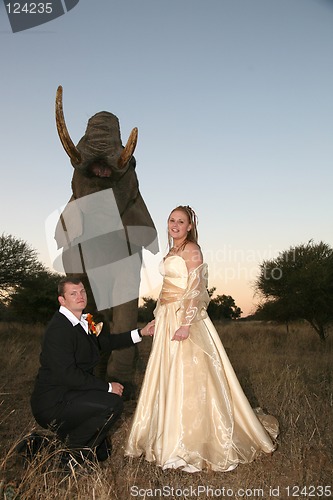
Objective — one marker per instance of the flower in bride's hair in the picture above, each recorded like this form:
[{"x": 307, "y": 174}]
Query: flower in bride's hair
[{"x": 93, "y": 328}]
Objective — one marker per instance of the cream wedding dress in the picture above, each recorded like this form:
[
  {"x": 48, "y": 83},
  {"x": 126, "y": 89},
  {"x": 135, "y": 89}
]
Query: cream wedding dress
[{"x": 192, "y": 412}]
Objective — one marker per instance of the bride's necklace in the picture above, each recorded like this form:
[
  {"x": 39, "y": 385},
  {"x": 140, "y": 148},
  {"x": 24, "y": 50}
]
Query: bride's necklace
[{"x": 175, "y": 249}]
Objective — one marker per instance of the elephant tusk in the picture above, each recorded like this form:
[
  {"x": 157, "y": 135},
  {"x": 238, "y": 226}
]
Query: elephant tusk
[
  {"x": 64, "y": 136},
  {"x": 128, "y": 150}
]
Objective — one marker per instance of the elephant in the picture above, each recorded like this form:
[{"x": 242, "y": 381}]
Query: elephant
[{"x": 104, "y": 228}]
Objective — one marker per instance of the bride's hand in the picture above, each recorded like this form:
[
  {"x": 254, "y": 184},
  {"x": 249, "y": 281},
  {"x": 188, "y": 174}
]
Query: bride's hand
[{"x": 181, "y": 334}]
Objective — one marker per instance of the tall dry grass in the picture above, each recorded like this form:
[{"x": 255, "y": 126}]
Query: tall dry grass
[{"x": 287, "y": 373}]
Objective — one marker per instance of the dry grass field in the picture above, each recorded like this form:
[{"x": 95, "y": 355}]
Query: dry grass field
[{"x": 287, "y": 373}]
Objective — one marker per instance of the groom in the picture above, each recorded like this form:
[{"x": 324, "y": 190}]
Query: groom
[{"x": 67, "y": 396}]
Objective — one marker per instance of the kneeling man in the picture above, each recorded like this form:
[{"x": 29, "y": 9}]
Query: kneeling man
[{"x": 67, "y": 396}]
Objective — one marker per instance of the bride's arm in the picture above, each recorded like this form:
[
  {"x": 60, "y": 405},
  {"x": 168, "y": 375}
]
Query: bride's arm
[
  {"x": 192, "y": 255},
  {"x": 194, "y": 301}
]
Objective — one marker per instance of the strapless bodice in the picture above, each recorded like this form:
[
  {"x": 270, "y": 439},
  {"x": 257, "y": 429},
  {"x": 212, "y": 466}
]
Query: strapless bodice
[{"x": 175, "y": 276}]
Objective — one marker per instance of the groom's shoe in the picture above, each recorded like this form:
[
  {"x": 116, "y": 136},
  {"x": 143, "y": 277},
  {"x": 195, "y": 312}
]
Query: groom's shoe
[
  {"x": 104, "y": 450},
  {"x": 31, "y": 445}
]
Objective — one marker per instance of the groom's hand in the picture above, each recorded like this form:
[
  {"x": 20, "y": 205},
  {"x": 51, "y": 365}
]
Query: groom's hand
[
  {"x": 117, "y": 388},
  {"x": 148, "y": 329}
]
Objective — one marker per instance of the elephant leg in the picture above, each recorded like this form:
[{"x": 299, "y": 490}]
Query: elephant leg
[{"x": 121, "y": 364}]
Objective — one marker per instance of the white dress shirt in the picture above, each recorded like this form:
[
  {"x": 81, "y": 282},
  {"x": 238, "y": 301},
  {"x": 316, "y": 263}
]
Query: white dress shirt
[{"x": 84, "y": 323}]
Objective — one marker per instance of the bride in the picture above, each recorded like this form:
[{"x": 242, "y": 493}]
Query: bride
[{"x": 192, "y": 413}]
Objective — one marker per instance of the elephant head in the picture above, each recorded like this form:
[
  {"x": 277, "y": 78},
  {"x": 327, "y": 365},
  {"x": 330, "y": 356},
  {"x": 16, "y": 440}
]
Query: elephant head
[{"x": 100, "y": 144}]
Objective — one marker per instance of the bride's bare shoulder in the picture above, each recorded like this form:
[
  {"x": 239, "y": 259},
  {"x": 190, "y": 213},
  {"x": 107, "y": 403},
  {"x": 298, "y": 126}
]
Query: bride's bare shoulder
[{"x": 192, "y": 255}]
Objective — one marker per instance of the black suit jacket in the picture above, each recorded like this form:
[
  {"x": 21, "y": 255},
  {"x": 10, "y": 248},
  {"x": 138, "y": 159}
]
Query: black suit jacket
[{"x": 67, "y": 361}]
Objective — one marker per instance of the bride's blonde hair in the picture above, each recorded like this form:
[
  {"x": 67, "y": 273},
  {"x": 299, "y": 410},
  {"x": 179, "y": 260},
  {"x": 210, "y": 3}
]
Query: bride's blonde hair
[{"x": 192, "y": 234}]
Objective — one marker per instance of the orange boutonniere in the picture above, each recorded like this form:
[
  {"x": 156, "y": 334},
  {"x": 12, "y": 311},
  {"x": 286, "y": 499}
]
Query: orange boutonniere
[{"x": 93, "y": 328}]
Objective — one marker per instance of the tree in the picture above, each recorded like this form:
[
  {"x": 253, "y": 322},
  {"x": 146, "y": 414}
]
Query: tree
[
  {"x": 18, "y": 263},
  {"x": 146, "y": 310},
  {"x": 223, "y": 307},
  {"x": 277, "y": 310},
  {"x": 298, "y": 284},
  {"x": 28, "y": 290},
  {"x": 37, "y": 300}
]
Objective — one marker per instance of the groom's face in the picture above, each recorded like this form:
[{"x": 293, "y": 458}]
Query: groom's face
[{"x": 74, "y": 298}]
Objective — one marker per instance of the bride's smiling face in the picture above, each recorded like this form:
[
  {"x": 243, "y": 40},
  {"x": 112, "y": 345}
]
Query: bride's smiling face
[{"x": 178, "y": 225}]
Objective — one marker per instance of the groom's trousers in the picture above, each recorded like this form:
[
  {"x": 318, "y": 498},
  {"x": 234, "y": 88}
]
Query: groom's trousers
[{"x": 83, "y": 419}]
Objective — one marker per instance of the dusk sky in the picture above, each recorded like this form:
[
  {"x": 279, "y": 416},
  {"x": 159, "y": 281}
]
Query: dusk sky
[{"x": 234, "y": 105}]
